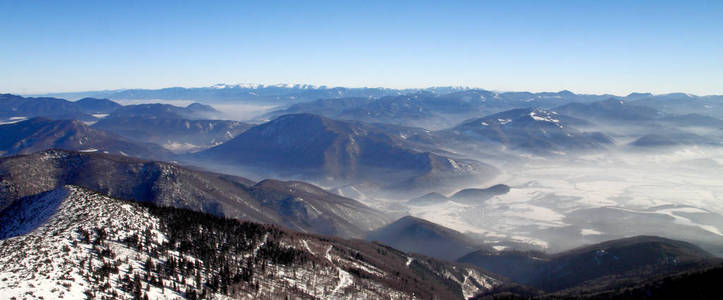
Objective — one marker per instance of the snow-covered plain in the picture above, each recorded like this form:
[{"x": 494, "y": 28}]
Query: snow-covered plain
[{"x": 679, "y": 191}]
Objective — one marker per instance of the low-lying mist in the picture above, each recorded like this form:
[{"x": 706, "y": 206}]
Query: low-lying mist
[
  {"x": 248, "y": 112},
  {"x": 556, "y": 204}
]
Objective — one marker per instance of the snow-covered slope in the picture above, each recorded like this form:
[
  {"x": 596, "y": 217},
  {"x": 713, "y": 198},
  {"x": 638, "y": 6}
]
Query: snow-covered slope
[
  {"x": 54, "y": 260},
  {"x": 73, "y": 243}
]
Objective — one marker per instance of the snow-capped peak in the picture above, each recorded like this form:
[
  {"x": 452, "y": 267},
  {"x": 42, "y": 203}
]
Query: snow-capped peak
[{"x": 255, "y": 86}]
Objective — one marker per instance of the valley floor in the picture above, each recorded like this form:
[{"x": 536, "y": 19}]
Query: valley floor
[{"x": 555, "y": 205}]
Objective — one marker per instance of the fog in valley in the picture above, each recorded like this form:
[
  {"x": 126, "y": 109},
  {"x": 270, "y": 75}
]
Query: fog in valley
[
  {"x": 248, "y": 112},
  {"x": 557, "y": 200},
  {"x": 557, "y": 204},
  {"x": 468, "y": 175}
]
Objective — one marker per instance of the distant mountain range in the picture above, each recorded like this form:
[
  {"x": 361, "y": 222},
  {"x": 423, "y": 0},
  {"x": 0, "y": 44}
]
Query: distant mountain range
[
  {"x": 40, "y": 134},
  {"x": 610, "y": 109},
  {"x": 277, "y": 93},
  {"x": 91, "y": 109},
  {"x": 483, "y": 101},
  {"x": 175, "y": 134},
  {"x": 437, "y": 111},
  {"x": 13, "y": 107},
  {"x": 431, "y": 110},
  {"x": 178, "y": 129}
]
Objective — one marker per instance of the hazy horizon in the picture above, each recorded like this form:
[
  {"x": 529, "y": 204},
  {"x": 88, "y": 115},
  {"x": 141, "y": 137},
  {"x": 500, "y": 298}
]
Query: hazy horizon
[
  {"x": 35, "y": 94},
  {"x": 593, "y": 47}
]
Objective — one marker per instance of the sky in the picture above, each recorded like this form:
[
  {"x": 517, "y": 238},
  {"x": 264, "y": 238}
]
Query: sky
[{"x": 612, "y": 47}]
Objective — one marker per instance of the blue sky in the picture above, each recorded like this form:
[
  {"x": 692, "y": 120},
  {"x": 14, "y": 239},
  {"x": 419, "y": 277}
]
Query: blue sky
[{"x": 584, "y": 46}]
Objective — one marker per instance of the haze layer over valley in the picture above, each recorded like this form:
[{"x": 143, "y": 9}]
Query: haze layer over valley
[
  {"x": 461, "y": 175},
  {"x": 556, "y": 204},
  {"x": 578, "y": 168}
]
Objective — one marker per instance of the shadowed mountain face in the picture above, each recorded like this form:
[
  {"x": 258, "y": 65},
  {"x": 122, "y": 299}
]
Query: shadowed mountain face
[
  {"x": 618, "y": 260},
  {"x": 477, "y": 196},
  {"x": 533, "y": 130},
  {"x": 345, "y": 151},
  {"x": 302, "y": 206},
  {"x": 466, "y": 196},
  {"x": 178, "y": 135},
  {"x": 420, "y": 236},
  {"x": 41, "y": 134},
  {"x": 296, "y": 205},
  {"x": 97, "y": 106}
]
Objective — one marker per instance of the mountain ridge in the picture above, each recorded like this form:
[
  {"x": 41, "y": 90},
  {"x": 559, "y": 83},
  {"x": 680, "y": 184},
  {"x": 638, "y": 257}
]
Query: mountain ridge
[
  {"x": 166, "y": 184},
  {"x": 96, "y": 246},
  {"x": 39, "y": 134}
]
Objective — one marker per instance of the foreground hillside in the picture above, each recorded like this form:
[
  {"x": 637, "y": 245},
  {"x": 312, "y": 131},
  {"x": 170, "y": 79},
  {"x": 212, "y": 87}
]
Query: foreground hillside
[
  {"x": 295, "y": 205},
  {"x": 74, "y": 243}
]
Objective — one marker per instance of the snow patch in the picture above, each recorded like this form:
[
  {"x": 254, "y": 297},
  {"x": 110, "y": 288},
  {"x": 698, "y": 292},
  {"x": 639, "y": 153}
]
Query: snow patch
[
  {"x": 546, "y": 118},
  {"x": 586, "y": 231},
  {"x": 13, "y": 120}
]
